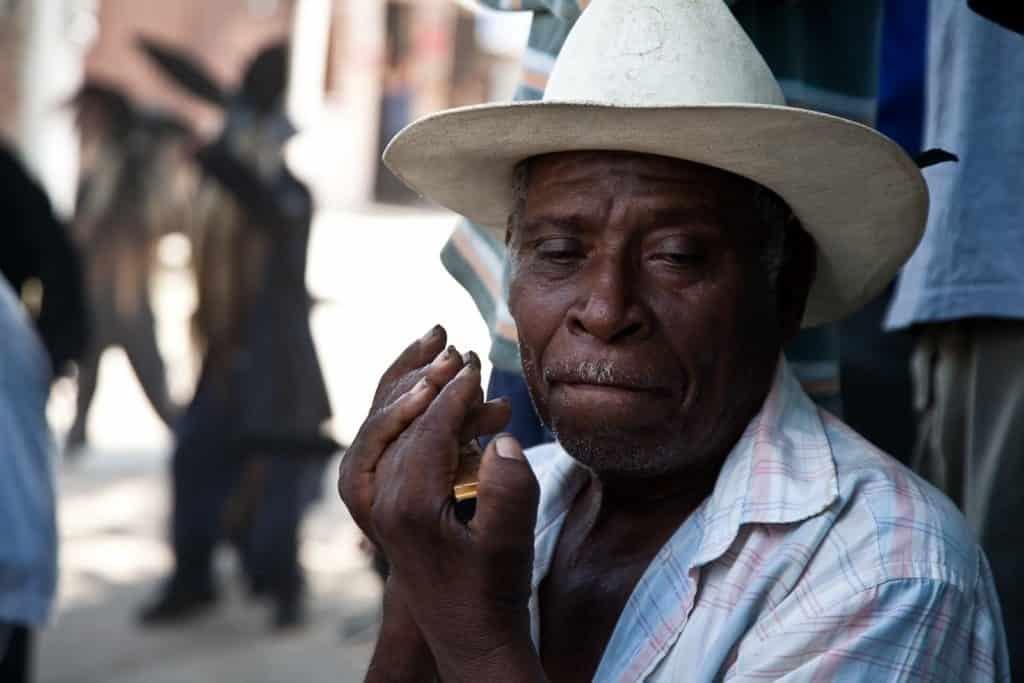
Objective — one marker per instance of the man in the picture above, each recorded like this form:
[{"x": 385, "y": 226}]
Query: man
[
  {"x": 671, "y": 225},
  {"x": 962, "y": 293},
  {"x": 39, "y": 337},
  {"x": 28, "y": 554},
  {"x": 250, "y": 453}
]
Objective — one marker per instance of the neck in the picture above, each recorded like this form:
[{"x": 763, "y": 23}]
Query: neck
[{"x": 659, "y": 505}]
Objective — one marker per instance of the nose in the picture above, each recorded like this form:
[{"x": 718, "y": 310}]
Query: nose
[{"x": 609, "y": 309}]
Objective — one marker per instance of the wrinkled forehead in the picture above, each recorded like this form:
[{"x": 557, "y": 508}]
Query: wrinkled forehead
[
  {"x": 552, "y": 175},
  {"x": 562, "y": 182}
]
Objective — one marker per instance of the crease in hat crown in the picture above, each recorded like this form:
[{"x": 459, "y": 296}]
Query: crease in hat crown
[{"x": 641, "y": 53}]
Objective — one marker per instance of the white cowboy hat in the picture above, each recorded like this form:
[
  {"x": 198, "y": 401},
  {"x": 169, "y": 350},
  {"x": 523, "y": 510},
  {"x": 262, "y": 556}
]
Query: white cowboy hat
[{"x": 680, "y": 78}]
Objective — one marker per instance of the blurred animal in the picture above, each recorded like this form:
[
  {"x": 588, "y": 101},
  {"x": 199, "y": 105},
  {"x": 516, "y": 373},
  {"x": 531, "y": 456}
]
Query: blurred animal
[
  {"x": 250, "y": 449},
  {"x": 133, "y": 190}
]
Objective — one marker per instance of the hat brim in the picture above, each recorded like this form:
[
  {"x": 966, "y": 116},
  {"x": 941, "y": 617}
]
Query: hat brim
[{"x": 854, "y": 190}]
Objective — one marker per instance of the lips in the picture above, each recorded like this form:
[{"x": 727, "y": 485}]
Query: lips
[
  {"x": 595, "y": 395},
  {"x": 598, "y": 375},
  {"x": 605, "y": 386}
]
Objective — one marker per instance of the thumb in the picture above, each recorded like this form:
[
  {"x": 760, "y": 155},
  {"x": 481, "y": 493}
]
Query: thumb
[{"x": 507, "y": 495}]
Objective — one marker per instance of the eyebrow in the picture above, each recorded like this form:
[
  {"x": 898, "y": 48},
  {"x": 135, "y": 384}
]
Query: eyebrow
[{"x": 657, "y": 218}]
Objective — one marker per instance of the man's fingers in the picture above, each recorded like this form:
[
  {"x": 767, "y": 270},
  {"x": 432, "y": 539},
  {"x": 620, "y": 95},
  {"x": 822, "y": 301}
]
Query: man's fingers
[
  {"x": 438, "y": 372},
  {"x": 386, "y": 425},
  {"x": 454, "y": 405},
  {"x": 488, "y": 418},
  {"x": 443, "y": 368},
  {"x": 415, "y": 356},
  {"x": 356, "y": 481},
  {"x": 431, "y": 464},
  {"x": 507, "y": 496}
]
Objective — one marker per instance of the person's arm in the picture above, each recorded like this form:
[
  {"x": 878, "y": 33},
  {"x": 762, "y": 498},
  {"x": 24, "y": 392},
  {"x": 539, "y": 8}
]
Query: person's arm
[
  {"x": 401, "y": 654},
  {"x": 903, "y": 629}
]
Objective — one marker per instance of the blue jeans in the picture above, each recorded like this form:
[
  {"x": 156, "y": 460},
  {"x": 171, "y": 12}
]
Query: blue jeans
[{"x": 208, "y": 470}]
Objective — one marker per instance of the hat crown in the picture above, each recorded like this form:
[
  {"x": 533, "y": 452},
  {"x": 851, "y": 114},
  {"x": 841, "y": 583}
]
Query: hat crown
[{"x": 660, "y": 53}]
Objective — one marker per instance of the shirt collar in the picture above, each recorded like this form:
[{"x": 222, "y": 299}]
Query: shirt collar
[{"x": 780, "y": 471}]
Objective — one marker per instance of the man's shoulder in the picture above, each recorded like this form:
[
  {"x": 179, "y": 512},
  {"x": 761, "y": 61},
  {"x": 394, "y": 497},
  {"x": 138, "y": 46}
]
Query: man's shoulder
[{"x": 896, "y": 524}]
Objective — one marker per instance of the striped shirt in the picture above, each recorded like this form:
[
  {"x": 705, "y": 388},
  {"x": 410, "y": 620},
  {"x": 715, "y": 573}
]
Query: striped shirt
[
  {"x": 474, "y": 255},
  {"x": 816, "y": 558}
]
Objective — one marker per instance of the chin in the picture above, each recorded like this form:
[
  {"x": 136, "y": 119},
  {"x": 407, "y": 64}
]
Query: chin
[{"x": 616, "y": 453}]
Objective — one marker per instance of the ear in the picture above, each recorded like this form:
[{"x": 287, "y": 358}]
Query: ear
[
  {"x": 184, "y": 71},
  {"x": 795, "y": 280},
  {"x": 266, "y": 78}
]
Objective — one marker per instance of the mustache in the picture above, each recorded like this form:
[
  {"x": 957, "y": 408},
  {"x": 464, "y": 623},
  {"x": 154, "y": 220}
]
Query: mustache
[{"x": 605, "y": 372}]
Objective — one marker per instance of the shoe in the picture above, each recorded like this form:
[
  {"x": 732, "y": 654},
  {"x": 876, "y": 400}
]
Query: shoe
[{"x": 176, "y": 604}]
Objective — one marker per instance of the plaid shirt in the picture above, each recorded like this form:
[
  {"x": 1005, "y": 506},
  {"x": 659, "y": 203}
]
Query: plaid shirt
[{"x": 816, "y": 558}]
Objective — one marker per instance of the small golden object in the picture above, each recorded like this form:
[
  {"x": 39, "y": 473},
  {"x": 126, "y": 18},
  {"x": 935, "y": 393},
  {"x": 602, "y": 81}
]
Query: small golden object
[{"x": 466, "y": 479}]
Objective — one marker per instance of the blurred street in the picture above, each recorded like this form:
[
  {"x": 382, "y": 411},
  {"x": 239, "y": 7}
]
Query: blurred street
[{"x": 377, "y": 278}]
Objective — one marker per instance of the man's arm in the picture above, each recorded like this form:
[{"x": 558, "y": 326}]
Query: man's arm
[
  {"x": 904, "y": 629},
  {"x": 401, "y": 653}
]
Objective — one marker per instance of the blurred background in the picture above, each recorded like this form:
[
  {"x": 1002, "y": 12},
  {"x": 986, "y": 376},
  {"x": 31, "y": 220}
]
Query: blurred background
[
  {"x": 200, "y": 239},
  {"x": 359, "y": 71}
]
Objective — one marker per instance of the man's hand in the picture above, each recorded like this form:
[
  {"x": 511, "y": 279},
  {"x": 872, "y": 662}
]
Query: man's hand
[
  {"x": 405, "y": 391},
  {"x": 465, "y": 586}
]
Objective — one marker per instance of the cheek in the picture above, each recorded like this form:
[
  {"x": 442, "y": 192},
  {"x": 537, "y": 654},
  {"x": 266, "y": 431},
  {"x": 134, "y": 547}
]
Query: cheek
[
  {"x": 538, "y": 309},
  {"x": 701, "y": 326}
]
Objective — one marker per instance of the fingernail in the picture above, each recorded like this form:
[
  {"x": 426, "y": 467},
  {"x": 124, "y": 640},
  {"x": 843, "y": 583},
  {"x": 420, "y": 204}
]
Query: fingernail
[
  {"x": 470, "y": 358},
  {"x": 431, "y": 334},
  {"x": 508, "y": 447},
  {"x": 444, "y": 356}
]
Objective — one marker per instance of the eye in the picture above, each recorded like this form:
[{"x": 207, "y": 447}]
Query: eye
[
  {"x": 679, "y": 259},
  {"x": 678, "y": 252},
  {"x": 559, "y": 250}
]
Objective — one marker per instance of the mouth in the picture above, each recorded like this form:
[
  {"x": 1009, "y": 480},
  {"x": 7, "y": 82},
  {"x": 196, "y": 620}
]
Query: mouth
[
  {"x": 604, "y": 387},
  {"x": 591, "y": 376},
  {"x": 596, "y": 395}
]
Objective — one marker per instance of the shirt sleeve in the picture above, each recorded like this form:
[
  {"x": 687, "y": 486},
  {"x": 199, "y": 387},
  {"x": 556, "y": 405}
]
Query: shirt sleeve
[{"x": 904, "y": 629}]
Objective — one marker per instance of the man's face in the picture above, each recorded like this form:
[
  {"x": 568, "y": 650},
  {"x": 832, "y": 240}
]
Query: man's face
[{"x": 648, "y": 327}]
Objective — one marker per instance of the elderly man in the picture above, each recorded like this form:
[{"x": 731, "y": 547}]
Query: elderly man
[{"x": 671, "y": 225}]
